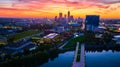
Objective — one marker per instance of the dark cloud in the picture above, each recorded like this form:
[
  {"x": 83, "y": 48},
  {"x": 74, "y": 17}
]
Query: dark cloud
[
  {"x": 14, "y": 9},
  {"x": 105, "y": 1},
  {"x": 34, "y": 5}
]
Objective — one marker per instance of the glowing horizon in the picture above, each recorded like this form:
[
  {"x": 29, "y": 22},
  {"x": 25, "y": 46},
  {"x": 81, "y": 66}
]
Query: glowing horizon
[{"x": 51, "y": 8}]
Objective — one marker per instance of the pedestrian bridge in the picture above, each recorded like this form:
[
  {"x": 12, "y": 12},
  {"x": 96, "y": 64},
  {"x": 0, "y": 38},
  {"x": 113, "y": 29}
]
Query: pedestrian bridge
[{"x": 82, "y": 56}]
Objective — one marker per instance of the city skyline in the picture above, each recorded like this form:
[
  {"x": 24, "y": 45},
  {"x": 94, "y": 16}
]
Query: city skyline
[{"x": 51, "y": 8}]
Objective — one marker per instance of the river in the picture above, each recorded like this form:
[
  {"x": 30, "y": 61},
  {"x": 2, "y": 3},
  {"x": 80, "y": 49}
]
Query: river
[
  {"x": 103, "y": 59},
  {"x": 63, "y": 60}
]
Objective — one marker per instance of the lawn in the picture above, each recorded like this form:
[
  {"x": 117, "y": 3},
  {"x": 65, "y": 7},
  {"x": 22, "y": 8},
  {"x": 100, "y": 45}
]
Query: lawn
[
  {"x": 116, "y": 30},
  {"x": 73, "y": 42},
  {"x": 22, "y": 35}
]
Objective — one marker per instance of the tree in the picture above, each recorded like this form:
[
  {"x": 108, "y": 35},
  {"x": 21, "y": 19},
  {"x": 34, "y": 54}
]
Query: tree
[
  {"x": 107, "y": 37},
  {"x": 89, "y": 36}
]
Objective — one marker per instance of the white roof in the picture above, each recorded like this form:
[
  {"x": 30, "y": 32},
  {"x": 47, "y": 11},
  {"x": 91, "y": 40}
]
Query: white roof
[
  {"x": 117, "y": 36},
  {"x": 51, "y": 35}
]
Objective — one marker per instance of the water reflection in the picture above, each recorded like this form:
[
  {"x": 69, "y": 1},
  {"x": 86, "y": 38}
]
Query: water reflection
[
  {"x": 63, "y": 60},
  {"x": 100, "y": 48},
  {"x": 104, "y": 58}
]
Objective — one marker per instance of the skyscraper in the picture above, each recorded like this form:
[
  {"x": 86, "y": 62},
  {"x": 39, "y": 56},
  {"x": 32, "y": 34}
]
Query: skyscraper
[
  {"x": 91, "y": 22},
  {"x": 65, "y": 20},
  {"x": 68, "y": 16},
  {"x": 65, "y": 17},
  {"x": 71, "y": 18},
  {"x": 56, "y": 18},
  {"x": 60, "y": 15}
]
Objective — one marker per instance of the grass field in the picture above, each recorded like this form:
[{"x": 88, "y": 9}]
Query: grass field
[
  {"x": 22, "y": 35},
  {"x": 117, "y": 31},
  {"x": 73, "y": 42}
]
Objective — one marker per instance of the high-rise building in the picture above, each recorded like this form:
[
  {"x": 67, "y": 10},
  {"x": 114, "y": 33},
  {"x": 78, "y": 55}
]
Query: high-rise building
[
  {"x": 64, "y": 20},
  {"x": 60, "y": 15},
  {"x": 56, "y": 18},
  {"x": 65, "y": 16},
  {"x": 91, "y": 22},
  {"x": 71, "y": 18},
  {"x": 68, "y": 16}
]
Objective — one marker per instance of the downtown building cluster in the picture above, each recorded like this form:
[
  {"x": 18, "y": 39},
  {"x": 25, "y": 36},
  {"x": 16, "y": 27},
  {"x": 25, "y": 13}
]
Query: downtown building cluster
[
  {"x": 63, "y": 19},
  {"x": 91, "y": 22}
]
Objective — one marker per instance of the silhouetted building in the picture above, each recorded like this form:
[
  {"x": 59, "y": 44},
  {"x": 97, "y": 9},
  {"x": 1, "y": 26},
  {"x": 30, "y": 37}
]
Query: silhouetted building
[
  {"x": 91, "y": 22},
  {"x": 65, "y": 16},
  {"x": 56, "y": 18},
  {"x": 64, "y": 21},
  {"x": 71, "y": 18},
  {"x": 60, "y": 17},
  {"x": 68, "y": 16}
]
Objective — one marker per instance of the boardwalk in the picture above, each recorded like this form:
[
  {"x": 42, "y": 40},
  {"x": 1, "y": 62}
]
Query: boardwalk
[{"x": 82, "y": 58}]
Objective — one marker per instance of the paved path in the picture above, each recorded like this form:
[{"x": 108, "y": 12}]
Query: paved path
[
  {"x": 82, "y": 58},
  {"x": 76, "y": 51},
  {"x": 65, "y": 43}
]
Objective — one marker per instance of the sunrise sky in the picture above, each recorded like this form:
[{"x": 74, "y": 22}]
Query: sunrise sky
[{"x": 51, "y": 8}]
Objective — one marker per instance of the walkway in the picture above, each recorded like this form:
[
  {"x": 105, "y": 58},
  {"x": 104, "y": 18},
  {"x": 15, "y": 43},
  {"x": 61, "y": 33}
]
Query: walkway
[
  {"x": 65, "y": 43},
  {"x": 75, "y": 57},
  {"x": 82, "y": 57}
]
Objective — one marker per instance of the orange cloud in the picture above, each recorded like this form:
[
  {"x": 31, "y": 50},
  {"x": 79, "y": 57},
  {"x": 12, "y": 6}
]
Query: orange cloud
[{"x": 51, "y": 8}]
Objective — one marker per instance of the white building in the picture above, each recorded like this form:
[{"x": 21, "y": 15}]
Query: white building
[{"x": 117, "y": 39}]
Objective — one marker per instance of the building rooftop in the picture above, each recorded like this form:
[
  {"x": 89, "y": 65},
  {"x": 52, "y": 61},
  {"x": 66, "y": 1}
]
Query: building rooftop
[
  {"x": 117, "y": 36},
  {"x": 31, "y": 46},
  {"x": 76, "y": 25},
  {"x": 51, "y": 35},
  {"x": 18, "y": 45},
  {"x": 8, "y": 51},
  {"x": 2, "y": 38}
]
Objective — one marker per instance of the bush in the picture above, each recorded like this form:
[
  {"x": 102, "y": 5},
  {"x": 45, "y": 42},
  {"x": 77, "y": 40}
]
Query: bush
[
  {"x": 78, "y": 51},
  {"x": 78, "y": 58}
]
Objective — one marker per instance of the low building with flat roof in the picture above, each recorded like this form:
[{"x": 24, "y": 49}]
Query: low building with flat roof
[
  {"x": 3, "y": 40},
  {"x": 117, "y": 39},
  {"x": 19, "y": 48},
  {"x": 52, "y": 37}
]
